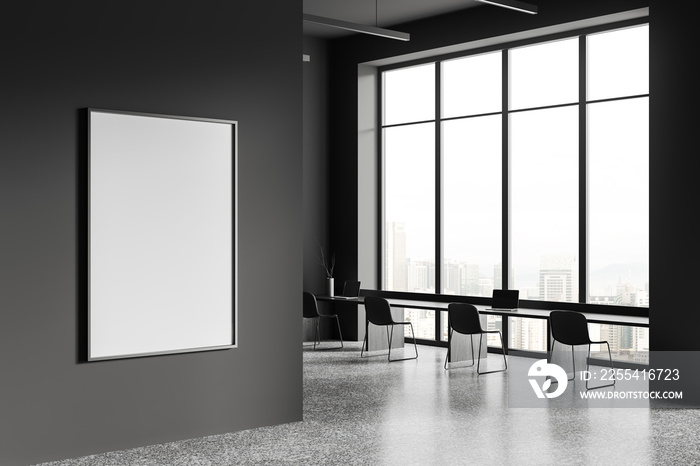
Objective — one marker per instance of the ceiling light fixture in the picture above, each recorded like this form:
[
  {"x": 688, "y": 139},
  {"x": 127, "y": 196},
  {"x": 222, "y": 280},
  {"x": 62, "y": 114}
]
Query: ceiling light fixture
[
  {"x": 361, "y": 28},
  {"x": 354, "y": 27},
  {"x": 513, "y": 5}
]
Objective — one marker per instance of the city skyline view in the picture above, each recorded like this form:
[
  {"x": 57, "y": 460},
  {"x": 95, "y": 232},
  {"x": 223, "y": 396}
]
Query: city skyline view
[{"x": 555, "y": 278}]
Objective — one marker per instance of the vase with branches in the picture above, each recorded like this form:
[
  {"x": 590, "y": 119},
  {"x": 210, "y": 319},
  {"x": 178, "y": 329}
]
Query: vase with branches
[{"x": 328, "y": 267}]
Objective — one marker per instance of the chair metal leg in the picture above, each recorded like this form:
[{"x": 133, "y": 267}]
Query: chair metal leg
[
  {"x": 317, "y": 336},
  {"x": 449, "y": 345},
  {"x": 365, "y": 343},
  {"x": 390, "y": 338},
  {"x": 611, "y": 367},
  {"x": 449, "y": 349},
  {"x": 550, "y": 356},
  {"x": 471, "y": 338},
  {"x": 413, "y": 335},
  {"x": 415, "y": 346},
  {"x": 340, "y": 334},
  {"x": 573, "y": 363},
  {"x": 505, "y": 361},
  {"x": 551, "y": 352},
  {"x": 481, "y": 336}
]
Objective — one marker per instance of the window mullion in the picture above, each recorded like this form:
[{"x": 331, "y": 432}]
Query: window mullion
[
  {"x": 582, "y": 184},
  {"x": 505, "y": 188},
  {"x": 381, "y": 230},
  {"x": 438, "y": 184},
  {"x": 438, "y": 193}
]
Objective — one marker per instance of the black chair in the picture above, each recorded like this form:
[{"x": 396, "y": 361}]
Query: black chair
[
  {"x": 311, "y": 312},
  {"x": 464, "y": 318},
  {"x": 379, "y": 313},
  {"x": 571, "y": 328}
]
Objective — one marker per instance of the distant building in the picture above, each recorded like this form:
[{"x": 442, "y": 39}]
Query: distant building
[
  {"x": 558, "y": 278},
  {"x": 395, "y": 265}
]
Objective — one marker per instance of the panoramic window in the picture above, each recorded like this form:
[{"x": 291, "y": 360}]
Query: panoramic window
[
  {"x": 532, "y": 158},
  {"x": 409, "y": 179},
  {"x": 544, "y": 203},
  {"x": 471, "y": 175},
  {"x": 618, "y": 167}
]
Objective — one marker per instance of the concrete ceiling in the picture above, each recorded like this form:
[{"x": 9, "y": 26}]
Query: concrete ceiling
[{"x": 381, "y": 13}]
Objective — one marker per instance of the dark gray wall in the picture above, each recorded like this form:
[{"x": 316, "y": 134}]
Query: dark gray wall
[
  {"x": 207, "y": 59},
  {"x": 675, "y": 247},
  {"x": 315, "y": 175}
]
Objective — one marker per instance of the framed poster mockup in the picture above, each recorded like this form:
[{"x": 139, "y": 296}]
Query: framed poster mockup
[{"x": 162, "y": 234}]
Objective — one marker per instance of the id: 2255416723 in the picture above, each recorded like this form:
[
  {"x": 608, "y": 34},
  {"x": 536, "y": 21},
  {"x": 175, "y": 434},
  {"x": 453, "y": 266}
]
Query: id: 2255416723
[{"x": 611, "y": 375}]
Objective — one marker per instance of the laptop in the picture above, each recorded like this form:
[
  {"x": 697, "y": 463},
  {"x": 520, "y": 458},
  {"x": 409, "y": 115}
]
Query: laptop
[
  {"x": 351, "y": 290},
  {"x": 504, "y": 300}
]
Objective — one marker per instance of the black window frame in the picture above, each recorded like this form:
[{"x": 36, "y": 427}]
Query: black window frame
[{"x": 582, "y": 103}]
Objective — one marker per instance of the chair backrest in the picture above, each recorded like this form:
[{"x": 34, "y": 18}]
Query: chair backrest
[
  {"x": 310, "y": 305},
  {"x": 464, "y": 318},
  {"x": 378, "y": 311},
  {"x": 569, "y": 327}
]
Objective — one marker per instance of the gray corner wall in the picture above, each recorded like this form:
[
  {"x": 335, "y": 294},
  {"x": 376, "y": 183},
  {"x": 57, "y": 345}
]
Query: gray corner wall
[{"x": 217, "y": 59}]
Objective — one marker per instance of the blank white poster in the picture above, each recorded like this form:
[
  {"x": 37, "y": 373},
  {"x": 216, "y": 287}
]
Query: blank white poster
[{"x": 162, "y": 234}]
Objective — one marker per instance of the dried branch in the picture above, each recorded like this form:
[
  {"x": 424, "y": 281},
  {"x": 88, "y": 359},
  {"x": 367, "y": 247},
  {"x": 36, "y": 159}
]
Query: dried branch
[{"x": 326, "y": 267}]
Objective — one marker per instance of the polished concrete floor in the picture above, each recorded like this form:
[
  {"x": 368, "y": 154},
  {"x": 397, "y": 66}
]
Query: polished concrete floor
[{"x": 371, "y": 412}]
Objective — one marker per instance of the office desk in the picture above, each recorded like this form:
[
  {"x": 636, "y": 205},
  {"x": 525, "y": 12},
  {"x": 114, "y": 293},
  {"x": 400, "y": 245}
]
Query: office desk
[
  {"x": 609, "y": 319},
  {"x": 525, "y": 312},
  {"x": 338, "y": 299},
  {"x": 376, "y": 339},
  {"x": 376, "y": 336},
  {"x": 593, "y": 318}
]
